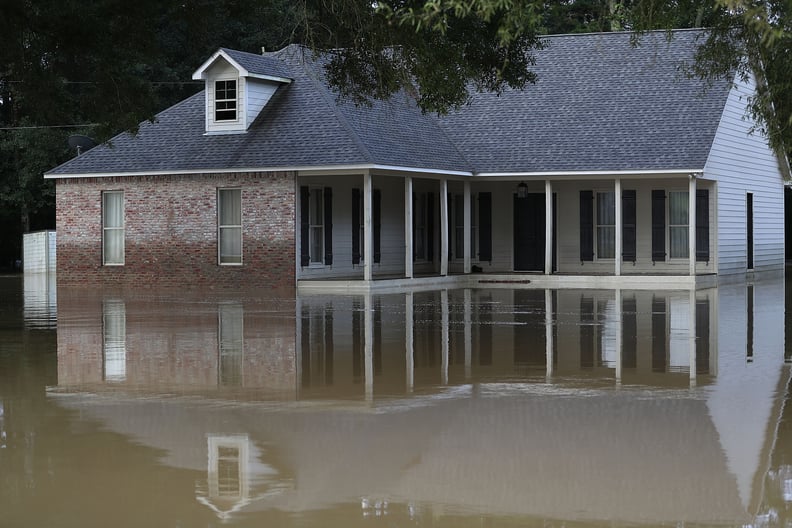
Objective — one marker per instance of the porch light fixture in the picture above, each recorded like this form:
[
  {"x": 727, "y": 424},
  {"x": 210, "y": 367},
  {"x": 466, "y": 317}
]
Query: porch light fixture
[{"x": 522, "y": 190}]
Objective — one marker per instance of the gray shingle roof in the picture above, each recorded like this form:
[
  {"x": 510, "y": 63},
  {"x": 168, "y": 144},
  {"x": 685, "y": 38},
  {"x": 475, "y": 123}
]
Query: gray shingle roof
[
  {"x": 599, "y": 104},
  {"x": 258, "y": 64}
]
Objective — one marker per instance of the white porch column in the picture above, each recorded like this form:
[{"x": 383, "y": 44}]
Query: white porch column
[
  {"x": 618, "y": 199},
  {"x": 548, "y": 228},
  {"x": 468, "y": 227},
  {"x": 408, "y": 227},
  {"x": 368, "y": 253},
  {"x": 692, "y": 223},
  {"x": 549, "y": 333},
  {"x": 408, "y": 341},
  {"x": 443, "y": 227}
]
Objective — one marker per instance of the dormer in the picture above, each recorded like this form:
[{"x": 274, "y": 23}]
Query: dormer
[{"x": 238, "y": 86}]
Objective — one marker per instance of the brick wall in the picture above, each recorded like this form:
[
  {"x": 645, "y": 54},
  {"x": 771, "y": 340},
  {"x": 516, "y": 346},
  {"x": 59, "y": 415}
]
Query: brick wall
[{"x": 171, "y": 231}]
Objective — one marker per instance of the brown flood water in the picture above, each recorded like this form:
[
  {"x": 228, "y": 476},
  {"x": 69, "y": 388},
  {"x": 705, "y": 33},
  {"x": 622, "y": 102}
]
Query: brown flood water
[{"x": 435, "y": 408}]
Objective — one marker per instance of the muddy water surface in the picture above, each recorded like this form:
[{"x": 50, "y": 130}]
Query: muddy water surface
[{"x": 440, "y": 408}]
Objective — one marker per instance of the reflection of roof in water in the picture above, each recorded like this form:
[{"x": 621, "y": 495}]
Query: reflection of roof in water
[{"x": 504, "y": 449}]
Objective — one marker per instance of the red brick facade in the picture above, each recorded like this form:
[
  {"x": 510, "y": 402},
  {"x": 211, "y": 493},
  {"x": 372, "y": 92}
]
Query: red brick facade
[{"x": 171, "y": 231}]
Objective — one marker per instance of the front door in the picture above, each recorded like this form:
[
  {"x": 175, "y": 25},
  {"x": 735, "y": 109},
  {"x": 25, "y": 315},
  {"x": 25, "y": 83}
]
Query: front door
[{"x": 529, "y": 232}]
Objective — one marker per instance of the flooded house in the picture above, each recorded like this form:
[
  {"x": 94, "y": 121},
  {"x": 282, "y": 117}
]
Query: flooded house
[{"x": 615, "y": 169}]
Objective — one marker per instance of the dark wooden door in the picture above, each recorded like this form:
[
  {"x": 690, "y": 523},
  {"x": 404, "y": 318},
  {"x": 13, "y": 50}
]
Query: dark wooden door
[{"x": 529, "y": 232}]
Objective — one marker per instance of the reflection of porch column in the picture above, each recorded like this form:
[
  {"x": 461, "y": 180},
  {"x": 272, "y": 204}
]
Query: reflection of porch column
[
  {"x": 618, "y": 252},
  {"x": 408, "y": 227},
  {"x": 368, "y": 348},
  {"x": 548, "y": 267},
  {"x": 467, "y": 228},
  {"x": 443, "y": 227},
  {"x": 692, "y": 332},
  {"x": 444, "y": 335},
  {"x": 619, "y": 330},
  {"x": 549, "y": 333},
  {"x": 692, "y": 223},
  {"x": 409, "y": 321},
  {"x": 368, "y": 253},
  {"x": 468, "y": 333}
]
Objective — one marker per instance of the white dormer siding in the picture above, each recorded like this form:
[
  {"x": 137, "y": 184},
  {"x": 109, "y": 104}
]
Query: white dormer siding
[
  {"x": 257, "y": 94},
  {"x": 223, "y": 71},
  {"x": 235, "y": 96}
]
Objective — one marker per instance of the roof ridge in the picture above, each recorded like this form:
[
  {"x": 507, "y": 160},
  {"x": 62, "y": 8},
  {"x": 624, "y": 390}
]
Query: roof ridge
[{"x": 624, "y": 32}]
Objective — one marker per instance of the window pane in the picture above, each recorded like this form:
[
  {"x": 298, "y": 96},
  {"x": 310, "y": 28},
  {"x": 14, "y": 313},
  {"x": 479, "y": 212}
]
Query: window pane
[
  {"x": 113, "y": 209},
  {"x": 113, "y": 227},
  {"x": 678, "y": 237},
  {"x": 229, "y": 225},
  {"x": 230, "y": 245},
  {"x": 677, "y": 208},
  {"x": 317, "y": 244},
  {"x": 606, "y": 242},
  {"x": 230, "y": 207},
  {"x": 316, "y": 214},
  {"x": 606, "y": 208}
]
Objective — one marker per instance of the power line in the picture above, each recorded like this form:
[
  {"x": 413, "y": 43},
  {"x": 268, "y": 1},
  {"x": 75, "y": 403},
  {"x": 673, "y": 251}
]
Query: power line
[{"x": 36, "y": 127}]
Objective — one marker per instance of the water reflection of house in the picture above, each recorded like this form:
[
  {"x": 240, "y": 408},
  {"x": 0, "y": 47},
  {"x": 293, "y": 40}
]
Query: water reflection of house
[{"x": 604, "y": 407}]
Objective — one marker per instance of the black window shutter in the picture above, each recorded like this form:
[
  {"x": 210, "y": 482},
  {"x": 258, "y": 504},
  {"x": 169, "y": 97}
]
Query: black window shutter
[
  {"x": 702, "y": 225},
  {"x": 586, "y": 226},
  {"x": 355, "y": 226},
  {"x": 628, "y": 226},
  {"x": 328, "y": 226},
  {"x": 485, "y": 226},
  {"x": 658, "y": 226},
  {"x": 430, "y": 226},
  {"x": 305, "y": 258},
  {"x": 376, "y": 220}
]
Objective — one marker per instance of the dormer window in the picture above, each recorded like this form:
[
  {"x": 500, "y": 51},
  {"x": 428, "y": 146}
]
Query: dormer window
[
  {"x": 238, "y": 86},
  {"x": 226, "y": 100}
]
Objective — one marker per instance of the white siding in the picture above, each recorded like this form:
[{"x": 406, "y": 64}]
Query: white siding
[
  {"x": 741, "y": 162},
  {"x": 219, "y": 71},
  {"x": 391, "y": 231},
  {"x": 568, "y": 229},
  {"x": 258, "y": 94}
]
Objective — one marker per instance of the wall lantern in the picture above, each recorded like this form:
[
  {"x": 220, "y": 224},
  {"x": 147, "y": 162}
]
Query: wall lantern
[{"x": 522, "y": 190}]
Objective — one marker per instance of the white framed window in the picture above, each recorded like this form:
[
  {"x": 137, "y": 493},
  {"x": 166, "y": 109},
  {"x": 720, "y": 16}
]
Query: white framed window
[
  {"x": 229, "y": 226},
  {"x": 226, "y": 100},
  {"x": 606, "y": 225},
  {"x": 113, "y": 228},
  {"x": 458, "y": 222},
  {"x": 316, "y": 236},
  {"x": 678, "y": 224}
]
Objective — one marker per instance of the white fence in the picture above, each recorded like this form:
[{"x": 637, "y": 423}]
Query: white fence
[{"x": 38, "y": 252}]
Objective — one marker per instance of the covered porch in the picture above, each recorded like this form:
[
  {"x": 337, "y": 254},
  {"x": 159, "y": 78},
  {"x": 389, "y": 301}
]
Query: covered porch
[{"x": 390, "y": 229}]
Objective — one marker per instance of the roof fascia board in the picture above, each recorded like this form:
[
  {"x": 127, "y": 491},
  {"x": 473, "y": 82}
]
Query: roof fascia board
[
  {"x": 274, "y": 78},
  {"x": 576, "y": 175},
  {"x": 304, "y": 171},
  {"x": 395, "y": 170}
]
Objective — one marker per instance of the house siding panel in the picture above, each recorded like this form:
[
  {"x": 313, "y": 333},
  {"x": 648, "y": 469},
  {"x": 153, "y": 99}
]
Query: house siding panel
[
  {"x": 391, "y": 229},
  {"x": 569, "y": 226},
  {"x": 741, "y": 162},
  {"x": 258, "y": 94},
  {"x": 171, "y": 231}
]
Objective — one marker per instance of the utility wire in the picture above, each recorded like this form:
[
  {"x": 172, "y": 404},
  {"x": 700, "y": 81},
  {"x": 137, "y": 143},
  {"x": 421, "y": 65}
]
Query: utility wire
[{"x": 36, "y": 127}]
